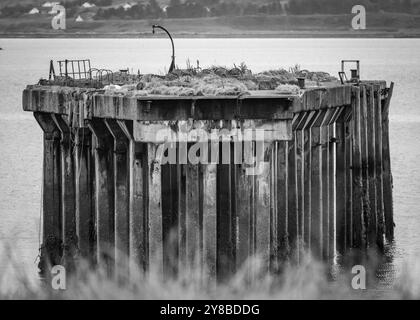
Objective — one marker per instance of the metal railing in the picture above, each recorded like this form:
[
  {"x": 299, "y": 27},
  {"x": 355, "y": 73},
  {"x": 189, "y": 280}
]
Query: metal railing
[
  {"x": 75, "y": 73},
  {"x": 75, "y": 69}
]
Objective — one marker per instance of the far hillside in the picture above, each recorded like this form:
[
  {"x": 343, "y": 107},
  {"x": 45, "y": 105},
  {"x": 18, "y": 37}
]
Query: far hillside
[
  {"x": 211, "y": 18},
  {"x": 180, "y": 9}
]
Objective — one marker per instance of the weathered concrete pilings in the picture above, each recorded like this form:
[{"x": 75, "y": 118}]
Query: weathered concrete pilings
[{"x": 172, "y": 184}]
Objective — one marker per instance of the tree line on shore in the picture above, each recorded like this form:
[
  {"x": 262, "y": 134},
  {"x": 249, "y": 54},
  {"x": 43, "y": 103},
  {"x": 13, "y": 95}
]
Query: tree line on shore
[{"x": 104, "y": 9}]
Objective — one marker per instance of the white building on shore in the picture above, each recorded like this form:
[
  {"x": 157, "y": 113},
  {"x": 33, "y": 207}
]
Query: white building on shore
[
  {"x": 34, "y": 11},
  {"x": 49, "y": 4},
  {"x": 88, "y": 5}
]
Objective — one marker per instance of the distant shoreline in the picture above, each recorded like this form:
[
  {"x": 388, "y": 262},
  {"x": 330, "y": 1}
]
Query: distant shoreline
[
  {"x": 379, "y": 25},
  {"x": 288, "y": 35}
]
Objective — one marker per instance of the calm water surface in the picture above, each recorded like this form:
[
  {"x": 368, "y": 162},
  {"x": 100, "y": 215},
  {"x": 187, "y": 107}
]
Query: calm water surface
[{"x": 25, "y": 61}]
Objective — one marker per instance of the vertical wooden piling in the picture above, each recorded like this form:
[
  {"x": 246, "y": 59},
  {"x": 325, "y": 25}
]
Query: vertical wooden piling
[
  {"x": 277, "y": 208},
  {"x": 316, "y": 187},
  {"x": 295, "y": 202},
  {"x": 243, "y": 206},
  {"x": 344, "y": 179},
  {"x": 365, "y": 164},
  {"x": 51, "y": 188},
  {"x": 225, "y": 237},
  {"x": 121, "y": 196},
  {"x": 170, "y": 222},
  {"x": 292, "y": 199},
  {"x": 104, "y": 193},
  {"x": 348, "y": 144},
  {"x": 234, "y": 210},
  {"x": 171, "y": 227},
  {"x": 154, "y": 210},
  {"x": 136, "y": 210},
  {"x": 209, "y": 221},
  {"x": 182, "y": 209},
  {"x": 245, "y": 209},
  {"x": 332, "y": 194},
  {"x": 371, "y": 129},
  {"x": 68, "y": 214},
  {"x": 85, "y": 216},
  {"x": 341, "y": 185},
  {"x": 262, "y": 213},
  {"x": 357, "y": 216},
  {"x": 325, "y": 178},
  {"x": 327, "y": 170},
  {"x": 378, "y": 168},
  {"x": 307, "y": 177},
  {"x": 281, "y": 194},
  {"x": 194, "y": 216},
  {"x": 386, "y": 167},
  {"x": 300, "y": 165}
]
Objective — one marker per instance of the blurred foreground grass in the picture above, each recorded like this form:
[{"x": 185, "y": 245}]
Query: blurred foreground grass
[{"x": 309, "y": 280}]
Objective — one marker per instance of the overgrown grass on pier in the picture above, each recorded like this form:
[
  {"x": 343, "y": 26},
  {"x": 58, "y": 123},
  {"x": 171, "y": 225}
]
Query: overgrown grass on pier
[
  {"x": 197, "y": 81},
  {"x": 218, "y": 80}
]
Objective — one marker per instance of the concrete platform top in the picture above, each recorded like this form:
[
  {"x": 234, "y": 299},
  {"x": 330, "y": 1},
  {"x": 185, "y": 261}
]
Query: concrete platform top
[{"x": 135, "y": 105}]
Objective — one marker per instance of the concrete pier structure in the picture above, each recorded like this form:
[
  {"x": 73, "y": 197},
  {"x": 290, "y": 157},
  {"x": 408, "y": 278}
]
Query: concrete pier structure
[{"x": 275, "y": 174}]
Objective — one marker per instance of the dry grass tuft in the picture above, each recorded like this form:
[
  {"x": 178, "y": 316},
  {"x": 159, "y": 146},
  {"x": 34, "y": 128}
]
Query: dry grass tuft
[{"x": 216, "y": 81}]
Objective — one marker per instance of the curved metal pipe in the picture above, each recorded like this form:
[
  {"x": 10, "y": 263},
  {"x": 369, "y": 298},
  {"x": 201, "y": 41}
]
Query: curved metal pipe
[{"x": 172, "y": 66}]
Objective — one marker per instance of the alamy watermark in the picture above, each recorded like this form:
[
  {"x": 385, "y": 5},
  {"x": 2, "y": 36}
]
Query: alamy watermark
[
  {"x": 358, "y": 282},
  {"x": 58, "y": 22},
  {"x": 219, "y": 146},
  {"x": 359, "y": 20},
  {"x": 58, "y": 277}
]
